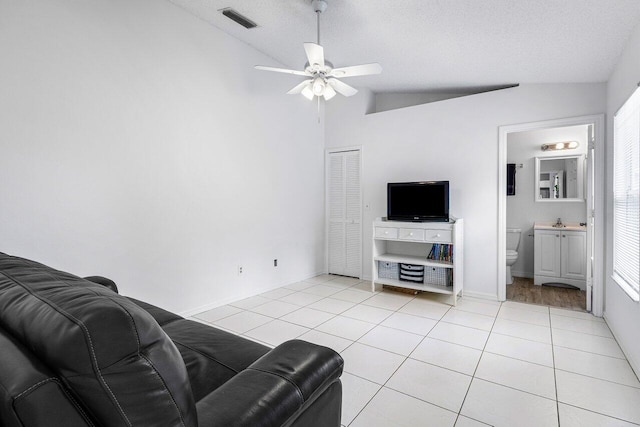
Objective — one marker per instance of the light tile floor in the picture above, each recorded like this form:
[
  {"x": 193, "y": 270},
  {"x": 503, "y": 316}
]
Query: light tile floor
[{"x": 416, "y": 361}]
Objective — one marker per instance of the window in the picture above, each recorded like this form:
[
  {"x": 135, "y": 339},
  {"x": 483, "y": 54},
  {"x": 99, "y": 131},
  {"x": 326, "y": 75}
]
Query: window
[{"x": 626, "y": 209}]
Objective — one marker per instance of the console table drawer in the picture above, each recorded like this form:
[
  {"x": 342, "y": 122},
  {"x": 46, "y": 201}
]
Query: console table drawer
[
  {"x": 412, "y": 234},
  {"x": 386, "y": 232},
  {"x": 440, "y": 236}
]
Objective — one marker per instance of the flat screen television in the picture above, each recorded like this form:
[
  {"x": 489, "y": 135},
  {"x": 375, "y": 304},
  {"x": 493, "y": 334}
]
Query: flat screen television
[{"x": 418, "y": 201}]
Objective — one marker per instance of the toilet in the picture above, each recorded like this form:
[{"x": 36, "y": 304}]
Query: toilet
[{"x": 513, "y": 241}]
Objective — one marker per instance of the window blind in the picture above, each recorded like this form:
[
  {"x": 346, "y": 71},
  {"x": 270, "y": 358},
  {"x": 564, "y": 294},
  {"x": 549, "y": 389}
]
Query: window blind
[{"x": 626, "y": 206}]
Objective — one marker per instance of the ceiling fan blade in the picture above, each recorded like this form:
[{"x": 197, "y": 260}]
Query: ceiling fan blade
[
  {"x": 298, "y": 88},
  {"x": 329, "y": 92},
  {"x": 342, "y": 88},
  {"x": 281, "y": 70},
  {"x": 357, "y": 70},
  {"x": 315, "y": 54},
  {"x": 307, "y": 92}
]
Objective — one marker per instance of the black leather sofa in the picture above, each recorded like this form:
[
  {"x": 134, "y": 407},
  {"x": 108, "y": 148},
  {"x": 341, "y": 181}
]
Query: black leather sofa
[{"x": 73, "y": 352}]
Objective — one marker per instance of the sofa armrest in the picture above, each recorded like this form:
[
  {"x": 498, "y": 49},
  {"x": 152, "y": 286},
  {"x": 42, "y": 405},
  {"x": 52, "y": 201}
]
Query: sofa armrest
[
  {"x": 275, "y": 388},
  {"x": 107, "y": 283}
]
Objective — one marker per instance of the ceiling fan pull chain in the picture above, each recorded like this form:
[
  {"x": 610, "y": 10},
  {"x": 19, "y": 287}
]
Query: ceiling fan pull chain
[{"x": 318, "y": 24}]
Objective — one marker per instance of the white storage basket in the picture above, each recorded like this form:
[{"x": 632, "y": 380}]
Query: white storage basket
[
  {"x": 438, "y": 276},
  {"x": 388, "y": 270}
]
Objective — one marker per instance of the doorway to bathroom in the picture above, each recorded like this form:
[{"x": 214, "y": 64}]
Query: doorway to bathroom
[{"x": 550, "y": 196}]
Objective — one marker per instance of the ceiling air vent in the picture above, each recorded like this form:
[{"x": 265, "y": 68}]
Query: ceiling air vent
[{"x": 235, "y": 16}]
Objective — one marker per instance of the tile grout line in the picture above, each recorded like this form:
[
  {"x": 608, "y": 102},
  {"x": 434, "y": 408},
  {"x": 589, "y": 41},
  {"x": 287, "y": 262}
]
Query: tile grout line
[
  {"x": 376, "y": 393},
  {"x": 600, "y": 413},
  {"x": 555, "y": 378},
  {"x": 598, "y": 378},
  {"x": 473, "y": 376},
  {"x": 396, "y": 370},
  {"x": 377, "y": 324}
]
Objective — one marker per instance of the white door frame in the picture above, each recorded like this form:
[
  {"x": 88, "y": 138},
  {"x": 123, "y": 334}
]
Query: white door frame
[
  {"x": 503, "y": 131},
  {"x": 329, "y": 151}
]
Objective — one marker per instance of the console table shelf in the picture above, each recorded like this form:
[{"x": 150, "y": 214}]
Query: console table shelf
[
  {"x": 410, "y": 259},
  {"x": 418, "y": 287},
  {"x": 410, "y": 243}
]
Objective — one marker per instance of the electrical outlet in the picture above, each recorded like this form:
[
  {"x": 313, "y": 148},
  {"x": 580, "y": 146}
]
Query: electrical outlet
[
  {"x": 239, "y": 269},
  {"x": 275, "y": 262}
]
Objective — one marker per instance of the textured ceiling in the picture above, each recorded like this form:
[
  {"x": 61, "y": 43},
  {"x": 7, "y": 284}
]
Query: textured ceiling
[{"x": 440, "y": 45}]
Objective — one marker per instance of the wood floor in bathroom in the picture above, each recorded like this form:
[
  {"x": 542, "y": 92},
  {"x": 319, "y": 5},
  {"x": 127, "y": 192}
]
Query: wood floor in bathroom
[{"x": 523, "y": 290}]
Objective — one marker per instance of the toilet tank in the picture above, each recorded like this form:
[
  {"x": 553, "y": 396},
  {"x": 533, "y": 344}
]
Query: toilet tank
[{"x": 513, "y": 238}]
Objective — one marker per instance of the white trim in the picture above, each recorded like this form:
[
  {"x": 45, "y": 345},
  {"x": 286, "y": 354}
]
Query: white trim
[
  {"x": 217, "y": 303},
  {"x": 480, "y": 295},
  {"x": 329, "y": 151},
  {"x": 634, "y": 366},
  {"x": 626, "y": 287},
  {"x": 503, "y": 131},
  {"x": 525, "y": 274}
]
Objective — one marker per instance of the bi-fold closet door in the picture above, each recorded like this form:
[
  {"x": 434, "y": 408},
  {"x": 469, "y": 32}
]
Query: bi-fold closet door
[{"x": 344, "y": 213}]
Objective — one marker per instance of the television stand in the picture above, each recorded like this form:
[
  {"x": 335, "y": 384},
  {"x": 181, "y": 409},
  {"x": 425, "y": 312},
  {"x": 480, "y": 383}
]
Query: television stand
[{"x": 438, "y": 246}]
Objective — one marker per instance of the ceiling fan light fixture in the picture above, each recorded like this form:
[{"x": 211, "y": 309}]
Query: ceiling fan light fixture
[
  {"x": 318, "y": 86},
  {"x": 307, "y": 92},
  {"x": 323, "y": 82},
  {"x": 329, "y": 93}
]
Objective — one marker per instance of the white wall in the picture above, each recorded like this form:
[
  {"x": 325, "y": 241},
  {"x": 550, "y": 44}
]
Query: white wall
[
  {"x": 522, "y": 209},
  {"x": 622, "y": 314},
  {"x": 455, "y": 140},
  {"x": 138, "y": 142}
]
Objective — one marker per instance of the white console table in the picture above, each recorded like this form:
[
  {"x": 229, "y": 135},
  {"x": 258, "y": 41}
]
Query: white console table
[{"x": 410, "y": 243}]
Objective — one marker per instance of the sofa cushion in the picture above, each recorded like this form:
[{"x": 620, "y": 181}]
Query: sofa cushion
[
  {"x": 30, "y": 393},
  {"x": 110, "y": 353},
  {"x": 212, "y": 356}
]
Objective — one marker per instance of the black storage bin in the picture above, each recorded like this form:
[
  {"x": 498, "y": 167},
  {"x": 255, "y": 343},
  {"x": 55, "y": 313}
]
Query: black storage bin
[{"x": 412, "y": 273}]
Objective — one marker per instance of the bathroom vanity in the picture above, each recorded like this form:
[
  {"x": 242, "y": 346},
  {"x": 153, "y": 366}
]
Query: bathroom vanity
[{"x": 560, "y": 254}]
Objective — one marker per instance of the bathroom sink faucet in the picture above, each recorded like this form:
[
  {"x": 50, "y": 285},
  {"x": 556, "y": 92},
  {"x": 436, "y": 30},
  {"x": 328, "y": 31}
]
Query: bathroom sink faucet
[{"x": 559, "y": 223}]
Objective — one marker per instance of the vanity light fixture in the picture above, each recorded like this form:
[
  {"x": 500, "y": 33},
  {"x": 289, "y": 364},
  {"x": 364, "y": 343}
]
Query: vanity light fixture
[{"x": 566, "y": 145}]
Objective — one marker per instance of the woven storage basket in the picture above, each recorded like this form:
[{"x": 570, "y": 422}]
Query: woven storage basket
[
  {"x": 437, "y": 276},
  {"x": 388, "y": 270}
]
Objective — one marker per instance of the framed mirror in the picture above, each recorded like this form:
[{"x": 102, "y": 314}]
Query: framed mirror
[{"x": 560, "y": 179}]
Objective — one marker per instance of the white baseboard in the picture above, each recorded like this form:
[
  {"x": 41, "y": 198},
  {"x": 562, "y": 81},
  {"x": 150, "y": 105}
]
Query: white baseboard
[
  {"x": 635, "y": 364},
  {"x": 214, "y": 304},
  {"x": 229, "y": 300},
  {"x": 480, "y": 295},
  {"x": 522, "y": 274}
]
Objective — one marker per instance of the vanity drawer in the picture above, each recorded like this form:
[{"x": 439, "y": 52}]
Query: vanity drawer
[
  {"x": 412, "y": 234},
  {"x": 438, "y": 236},
  {"x": 386, "y": 233}
]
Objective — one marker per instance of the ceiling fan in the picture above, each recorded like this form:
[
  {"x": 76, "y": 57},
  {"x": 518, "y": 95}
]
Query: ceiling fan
[{"x": 323, "y": 78}]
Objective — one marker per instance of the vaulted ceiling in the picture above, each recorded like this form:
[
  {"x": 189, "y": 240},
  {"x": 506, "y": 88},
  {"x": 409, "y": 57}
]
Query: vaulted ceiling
[{"x": 440, "y": 45}]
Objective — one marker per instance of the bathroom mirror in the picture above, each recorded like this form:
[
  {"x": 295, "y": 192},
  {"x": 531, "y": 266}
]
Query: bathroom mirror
[{"x": 560, "y": 179}]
